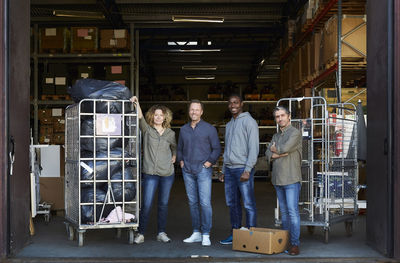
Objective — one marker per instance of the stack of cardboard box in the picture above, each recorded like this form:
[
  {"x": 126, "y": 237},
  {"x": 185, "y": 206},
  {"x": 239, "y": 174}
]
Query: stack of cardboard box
[{"x": 52, "y": 126}]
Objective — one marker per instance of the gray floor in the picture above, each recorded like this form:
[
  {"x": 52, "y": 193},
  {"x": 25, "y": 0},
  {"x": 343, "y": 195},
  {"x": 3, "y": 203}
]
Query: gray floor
[{"x": 50, "y": 241}]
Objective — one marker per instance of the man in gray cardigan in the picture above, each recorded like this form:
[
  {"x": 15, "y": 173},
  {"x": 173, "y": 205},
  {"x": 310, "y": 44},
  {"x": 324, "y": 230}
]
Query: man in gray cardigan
[
  {"x": 240, "y": 157},
  {"x": 285, "y": 152}
]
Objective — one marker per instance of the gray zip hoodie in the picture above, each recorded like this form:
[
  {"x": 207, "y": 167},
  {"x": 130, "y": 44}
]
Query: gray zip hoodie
[{"x": 241, "y": 142}]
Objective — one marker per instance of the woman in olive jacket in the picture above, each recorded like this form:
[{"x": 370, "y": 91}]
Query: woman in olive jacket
[{"x": 159, "y": 155}]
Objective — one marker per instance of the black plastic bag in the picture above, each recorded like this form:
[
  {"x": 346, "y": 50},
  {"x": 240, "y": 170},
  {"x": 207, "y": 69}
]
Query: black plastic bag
[
  {"x": 130, "y": 187},
  {"x": 87, "y": 211},
  {"x": 87, "y": 170},
  {"x": 101, "y": 144},
  {"x": 98, "y": 89}
]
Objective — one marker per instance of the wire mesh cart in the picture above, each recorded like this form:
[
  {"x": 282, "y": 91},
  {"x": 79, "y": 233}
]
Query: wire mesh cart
[
  {"x": 329, "y": 184},
  {"x": 102, "y": 167}
]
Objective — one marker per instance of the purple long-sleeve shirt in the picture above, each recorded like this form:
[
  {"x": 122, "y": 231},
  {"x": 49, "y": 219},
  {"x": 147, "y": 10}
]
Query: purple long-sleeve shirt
[{"x": 197, "y": 146}]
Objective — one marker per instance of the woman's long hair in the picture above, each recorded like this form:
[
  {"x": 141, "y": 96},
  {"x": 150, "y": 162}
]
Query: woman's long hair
[{"x": 167, "y": 115}]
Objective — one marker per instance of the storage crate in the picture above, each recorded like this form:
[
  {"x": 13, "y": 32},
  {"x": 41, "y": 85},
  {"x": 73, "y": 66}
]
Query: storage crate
[
  {"x": 53, "y": 39},
  {"x": 102, "y": 166},
  {"x": 114, "y": 39},
  {"x": 84, "y": 39}
]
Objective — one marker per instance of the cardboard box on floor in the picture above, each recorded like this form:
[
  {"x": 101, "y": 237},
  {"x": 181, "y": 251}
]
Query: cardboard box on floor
[{"x": 260, "y": 240}]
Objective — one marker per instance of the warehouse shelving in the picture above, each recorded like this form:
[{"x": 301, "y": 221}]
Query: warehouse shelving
[
  {"x": 348, "y": 70},
  {"x": 77, "y": 58}
]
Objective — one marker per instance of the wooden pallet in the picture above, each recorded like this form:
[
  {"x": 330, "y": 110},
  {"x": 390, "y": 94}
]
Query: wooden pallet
[{"x": 56, "y": 97}]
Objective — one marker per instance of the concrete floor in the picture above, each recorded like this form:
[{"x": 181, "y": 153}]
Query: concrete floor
[{"x": 50, "y": 241}]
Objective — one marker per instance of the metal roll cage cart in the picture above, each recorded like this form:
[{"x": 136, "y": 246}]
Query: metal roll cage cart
[
  {"x": 102, "y": 140},
  {"x": 329, "y": 183}
]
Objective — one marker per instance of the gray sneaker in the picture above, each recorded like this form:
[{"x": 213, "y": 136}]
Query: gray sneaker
[
  {"x": 139, "y": 239},
  {"x": 162, "y": 237}
]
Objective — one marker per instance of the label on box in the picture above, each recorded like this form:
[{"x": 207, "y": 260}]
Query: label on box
[
  {"x": 108, "y": 124},
  {"x": 84, "y": 75},
  {"x": 88, "y": 38},
  {"x": 113, "y": 42},
  {"x": 116, "y": 69},
  {"x": 119, "y": 33},
  {"x": 82, "y": 32},
  {"x": 49, "y": 80},
  {"x": 61, "y": 80},
  {"x": 56, "y": 112},
  {"x": 50, "y": 32}
]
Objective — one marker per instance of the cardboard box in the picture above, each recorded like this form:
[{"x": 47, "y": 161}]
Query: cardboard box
[
  {"x": 114, "y": 39},
  {"x": 84, "y": 39},
  {"x": 53, "y": 39},
  {"x": 58, "y": 138},
  {"x": 44, "y": 113},
  {"x": 45, "y": 139},
  {"x": 260, "y": 240},
  {"x": 59, "y": 125},
  {"x": 52, "y": 191},
  {"x": 46, "y": 130},
  {"x": 117, "y": 72}
]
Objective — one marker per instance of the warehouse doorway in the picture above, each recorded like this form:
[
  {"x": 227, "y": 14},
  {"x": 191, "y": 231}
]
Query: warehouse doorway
[{"x": 14, "y": 188}]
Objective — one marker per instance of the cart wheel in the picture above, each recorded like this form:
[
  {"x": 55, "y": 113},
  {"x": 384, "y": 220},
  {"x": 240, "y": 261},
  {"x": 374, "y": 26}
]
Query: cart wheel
[
  {"x": 131, "y": 236},
  {"x": 71, "y": 233},
  {"x": 311, "y": 230},
  {"x": 326, "y": 235},
  {"x": 80, "y": 238},
  {"x": 349, "y": 228},
  {"x": 118, "y": 233}
]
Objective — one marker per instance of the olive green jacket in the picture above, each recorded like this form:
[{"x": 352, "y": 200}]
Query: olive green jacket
[
  {"x": 287, "y": 169},
  {"x": 157, "y": 150}
]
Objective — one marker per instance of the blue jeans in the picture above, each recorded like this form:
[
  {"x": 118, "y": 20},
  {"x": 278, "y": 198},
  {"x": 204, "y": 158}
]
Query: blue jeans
[
  {"x": 288, "y": 197},
  {"x": 236, "y": 190},
  {"x": 150, "y": 184},
  {"x": 198, "y": 190}
]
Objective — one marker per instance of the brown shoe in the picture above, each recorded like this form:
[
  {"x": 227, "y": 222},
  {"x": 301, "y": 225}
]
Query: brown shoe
[{"x": 294, "y": 250}]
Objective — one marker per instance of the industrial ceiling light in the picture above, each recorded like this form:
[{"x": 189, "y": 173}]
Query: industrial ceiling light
[
  {"x": 195, "y": 50},
  {"x": 198, "y": 19},
  {"x": 199, "y": 67},
  {"x": 203, "y": 77},
  {"x": 78, "y": 14}
]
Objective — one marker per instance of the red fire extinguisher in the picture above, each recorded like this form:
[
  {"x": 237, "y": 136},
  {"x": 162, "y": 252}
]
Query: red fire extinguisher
[{"x": 339, "y": 142}]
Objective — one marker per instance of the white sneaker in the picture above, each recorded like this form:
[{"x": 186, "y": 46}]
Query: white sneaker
[
  {"x": 139, "y": 239},
  {"x": 206, "y": 240},
  {"x": 162, "y": 237},
  {"x": 195, "y": 237}
]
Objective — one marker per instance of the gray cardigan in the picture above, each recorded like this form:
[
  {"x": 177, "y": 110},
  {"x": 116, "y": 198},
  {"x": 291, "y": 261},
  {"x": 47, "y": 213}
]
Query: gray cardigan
[
  {"x": 157, "y": 150},
  {"x": 241, "y": 142},
  {"x": 286, "y": 170}
]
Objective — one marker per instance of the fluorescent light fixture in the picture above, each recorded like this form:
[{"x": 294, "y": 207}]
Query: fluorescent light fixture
[
  {"x": 204, "y": 77},
  {"x": 78, "y": 14},
  {"x": 195, "y": 50},
  {"x": 199, "y": 67},
  {"x": 182, "y": 43},
  {"x": 198, "y": 19}
]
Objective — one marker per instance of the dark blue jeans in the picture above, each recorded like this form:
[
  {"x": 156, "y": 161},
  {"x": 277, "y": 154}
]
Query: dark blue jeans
[
  {"x": 198, "y": 190},
  {"x": 149, "y": 187},
  {"x": 288, "y": 198},
  {"x": 236, "y": 190}
]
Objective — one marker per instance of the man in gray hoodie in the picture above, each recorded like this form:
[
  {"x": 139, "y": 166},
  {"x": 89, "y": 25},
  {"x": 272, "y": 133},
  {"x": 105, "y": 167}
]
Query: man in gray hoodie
[{"x": 240, "y": 157}]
